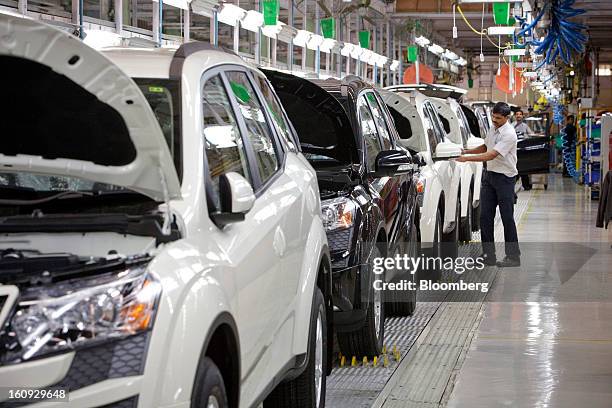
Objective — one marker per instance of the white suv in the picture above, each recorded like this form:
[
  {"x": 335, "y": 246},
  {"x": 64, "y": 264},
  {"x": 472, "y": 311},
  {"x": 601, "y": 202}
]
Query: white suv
[
  {"x": 161, "y": 241},
  {"x": 421, "y": 132}
]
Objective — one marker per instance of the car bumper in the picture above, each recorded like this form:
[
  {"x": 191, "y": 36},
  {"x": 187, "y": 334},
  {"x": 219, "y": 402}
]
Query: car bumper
[{"x": 108, "y": 374}]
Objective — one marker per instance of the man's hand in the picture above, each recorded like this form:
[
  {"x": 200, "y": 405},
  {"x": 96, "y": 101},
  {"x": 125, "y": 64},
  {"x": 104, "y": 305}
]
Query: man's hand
[{"x": 461, "y": 159}]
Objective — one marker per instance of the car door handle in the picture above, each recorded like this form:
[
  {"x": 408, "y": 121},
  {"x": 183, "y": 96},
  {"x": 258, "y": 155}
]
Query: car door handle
[{"x": 280, "y": 243}]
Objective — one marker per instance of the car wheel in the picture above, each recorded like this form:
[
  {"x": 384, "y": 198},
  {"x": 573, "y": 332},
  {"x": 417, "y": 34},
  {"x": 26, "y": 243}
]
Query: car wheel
[
  {"x": 307, "y": 390},
  {"x": 465, "y": 233},
  {"x": 431, "y": 271},
  {"x": 450, "y": 247},
  {"x": 209, "y": 388},
  {"x": 367, "y": 341},
  {"x": 402, "y": 303}
]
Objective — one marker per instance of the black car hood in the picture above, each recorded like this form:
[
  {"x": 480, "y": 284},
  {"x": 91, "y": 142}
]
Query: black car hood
[{"x": 321, "y": 121}]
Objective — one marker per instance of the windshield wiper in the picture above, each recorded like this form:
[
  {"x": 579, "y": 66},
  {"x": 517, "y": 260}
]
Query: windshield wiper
[{"x": 58, "y": 196}]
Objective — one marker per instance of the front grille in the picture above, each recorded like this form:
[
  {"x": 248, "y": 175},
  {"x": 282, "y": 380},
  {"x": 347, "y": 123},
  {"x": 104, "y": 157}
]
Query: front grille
[
  {"x": 116, "y": 359},
  {"x": 131, "y": 402},
  {"x": 339, "y": 240},
  {"x": 121, "y": 358}
]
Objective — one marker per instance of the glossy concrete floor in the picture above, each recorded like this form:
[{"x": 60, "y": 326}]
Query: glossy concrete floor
[{"x": 545, "y": 339}]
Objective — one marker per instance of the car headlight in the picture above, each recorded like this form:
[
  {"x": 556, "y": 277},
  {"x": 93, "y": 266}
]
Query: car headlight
[
  {"x": 421, "y": 183},
  {"x": 68, "y": 315},
  {"x": 338, "y": 213}
]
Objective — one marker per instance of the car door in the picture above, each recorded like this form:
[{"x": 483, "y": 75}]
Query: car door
[
  {"x": 392, "y": 190},
  {"x": 238, "y": 138},
  {"x": 280, "y": 224}
]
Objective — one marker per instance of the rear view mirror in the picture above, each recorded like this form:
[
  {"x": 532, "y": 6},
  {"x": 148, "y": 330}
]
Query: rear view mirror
[
  {"x": 393, "y": 162},
  {"x": 236, "y": 197},
  {"x": 447, "y": 150}
]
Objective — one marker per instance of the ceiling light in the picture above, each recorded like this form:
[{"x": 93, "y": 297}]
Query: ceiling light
[
  {"x": 314, "y": 41},
  {"x": 367, "y": 56},
  {"x": 230, "y": 13},
  {"x": 357, "y": 51},
  {"x": 422, "y": 41},
  {"x": 382, "y": 60},
  {"x": 100, "y": 39},
  {"x": 328, "y": 45},
  {"x": 436, "y": 49},
  {"x": 252, "y": 21},
  {"x": 450, "y": 55},
  {"x": 519, "y": 52},
  {"x": 272, "y": 31},
  {"x": 347, "y": 49},
  {"x": 461, "y": 62},
  {"x": 394, "y": 65},
  {"x": 501, "y": 30},
  {"x": 302, "y": 37}
]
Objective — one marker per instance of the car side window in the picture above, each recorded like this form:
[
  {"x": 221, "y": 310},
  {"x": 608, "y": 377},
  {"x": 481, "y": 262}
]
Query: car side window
[
  {"x": 257, "y": 127},
  {"x": 223, "y": 144},
  {"x": 379, "y": 119},
  {"x": 368, "y": 132},
  {"x": 431, "y": 130},
  {"x": 463, "y": 125},
  {"x": 278, "y": 116}
]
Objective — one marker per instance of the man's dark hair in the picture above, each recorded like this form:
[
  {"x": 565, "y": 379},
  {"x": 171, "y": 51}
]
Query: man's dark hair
[
  {"x": 502, "y": 108},
  {"x": 570, "y": 117},
  {"x": 520, "y": 110}
]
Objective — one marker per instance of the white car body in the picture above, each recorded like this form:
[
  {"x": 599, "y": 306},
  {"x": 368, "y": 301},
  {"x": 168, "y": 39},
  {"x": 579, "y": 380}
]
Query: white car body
[
  {"x": 252, "y": 279},
  {"x": 442, "y": 177},
  {"x": 471, "y": 172}
]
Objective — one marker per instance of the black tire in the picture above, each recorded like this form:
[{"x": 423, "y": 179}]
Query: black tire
[
  {"x": 450, "y": 247},
  {"x": 208, "y": 384},
  {"x": 403, "y": 303},
  {"x": 465, "y": 232},
  {"x": 368, "y": 339},
  {"x": 433, "y": 273},
  {"x": 302, "y": 391}
]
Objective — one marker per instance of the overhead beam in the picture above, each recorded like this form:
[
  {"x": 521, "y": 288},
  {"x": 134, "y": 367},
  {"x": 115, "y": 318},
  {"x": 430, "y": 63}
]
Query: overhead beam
[{"x": 435, "y": 16}]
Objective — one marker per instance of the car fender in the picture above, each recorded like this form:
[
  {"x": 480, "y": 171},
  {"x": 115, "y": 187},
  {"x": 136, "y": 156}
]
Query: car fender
[
  {"x": 450, "y": 200},
  {"x": 196, "y": 291},
  {"x": 431, "y": 200},
  {"x": 467, "y": 176},
  {"x": 317, "y": 250},
  {"x": 477, "y": 184}
]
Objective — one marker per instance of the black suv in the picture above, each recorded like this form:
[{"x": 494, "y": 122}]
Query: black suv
[{"x": 368, "y": 198}]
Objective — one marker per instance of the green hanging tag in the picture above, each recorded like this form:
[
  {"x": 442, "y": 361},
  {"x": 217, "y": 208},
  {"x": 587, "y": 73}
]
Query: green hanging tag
[
  {"x": 470, "y": 83},
  {"x": 364, "y": 39},
  {"x": 270, "y": 11},
  {"x": 240, "y": 92},
  {"x": 412, "y": 53},
  {"x": 501, "y": 13},
  {"x": 328, "y": 27}
]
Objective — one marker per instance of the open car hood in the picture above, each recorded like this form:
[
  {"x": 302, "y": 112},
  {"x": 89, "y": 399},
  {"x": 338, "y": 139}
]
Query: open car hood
[{"x": 109, "y": 134}]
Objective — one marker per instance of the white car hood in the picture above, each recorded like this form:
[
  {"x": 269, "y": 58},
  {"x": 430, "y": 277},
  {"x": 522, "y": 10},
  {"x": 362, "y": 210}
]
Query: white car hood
[{"x": 151, "y": 171}]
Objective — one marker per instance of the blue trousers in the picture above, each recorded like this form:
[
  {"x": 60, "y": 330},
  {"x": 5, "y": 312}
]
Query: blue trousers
[{"x": 498, "y": 190}]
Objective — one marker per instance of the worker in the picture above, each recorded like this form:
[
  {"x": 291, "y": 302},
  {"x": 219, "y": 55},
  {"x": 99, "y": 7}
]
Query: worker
[
  {"x": 522, "y": 130},
  {"x": 499, "y": 153}
]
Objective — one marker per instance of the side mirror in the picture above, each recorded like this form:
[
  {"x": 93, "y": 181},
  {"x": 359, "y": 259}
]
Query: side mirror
[
  {"x": 474, "y": 142},
  {"x": 236, "y": 197},
  {"x": 393, "y": 162},
  {"x": 447, "y": 150}
]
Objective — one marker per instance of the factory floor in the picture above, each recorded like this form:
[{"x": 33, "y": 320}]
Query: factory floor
[{"x": 540, "y": 337}]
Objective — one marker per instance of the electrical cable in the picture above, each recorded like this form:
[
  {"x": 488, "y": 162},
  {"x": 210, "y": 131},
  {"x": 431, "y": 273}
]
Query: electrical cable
[
  {"x": 481, "y": 30},
  {"x": 481, "y": 33}
]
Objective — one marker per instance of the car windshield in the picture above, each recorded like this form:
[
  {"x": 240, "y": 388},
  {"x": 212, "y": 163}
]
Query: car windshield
[{"x": 162, "y": 95}]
